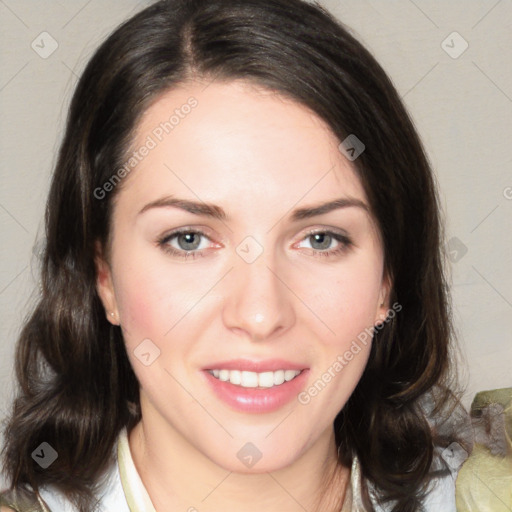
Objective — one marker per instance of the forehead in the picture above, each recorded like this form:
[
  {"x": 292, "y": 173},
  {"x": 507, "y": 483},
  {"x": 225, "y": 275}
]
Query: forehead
[{"x": 238, "y": 145}]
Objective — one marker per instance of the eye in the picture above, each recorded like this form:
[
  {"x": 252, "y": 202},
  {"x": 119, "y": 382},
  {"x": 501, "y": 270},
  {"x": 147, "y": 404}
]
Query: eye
[
  {"x": 327, "y": 243},
  {"x": 184, "y": 243}
]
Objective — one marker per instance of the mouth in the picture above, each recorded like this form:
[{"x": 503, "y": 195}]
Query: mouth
[
  {"x": 248, "y": 379},
  {"x": 256, "y": 386}
]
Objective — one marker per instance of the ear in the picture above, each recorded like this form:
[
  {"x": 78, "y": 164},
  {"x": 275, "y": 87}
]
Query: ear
[
  {"x": 383, "y": 305},
  {"x": 104, "y": 285}
]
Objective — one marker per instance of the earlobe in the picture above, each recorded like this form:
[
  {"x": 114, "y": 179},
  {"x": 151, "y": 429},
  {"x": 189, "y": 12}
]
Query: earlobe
[
  {"x": 104, "y": 286},
  {"x": 383, "y": 307}
]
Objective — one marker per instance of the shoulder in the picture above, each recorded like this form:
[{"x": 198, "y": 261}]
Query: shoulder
[
  {"x": 109, "y": 495},
  {"x": 441, "y": 495},
  {"x": 109, "y": 491},
  {"x": 21, "y": 500},
  {"x": 52, "y": 499}
]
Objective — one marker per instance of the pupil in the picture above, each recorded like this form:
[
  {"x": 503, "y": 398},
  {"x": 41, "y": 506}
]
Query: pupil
[
  {"x": 186, "y": 241},
  {"x": 323, "y": 240}
]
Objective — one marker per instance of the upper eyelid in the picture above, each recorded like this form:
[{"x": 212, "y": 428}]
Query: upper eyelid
[
  {"x": 178, "y": 231},
  {"x": 344, "y": 239},
  {"x": 336, "y": 232},
  {"x": 202, "y": 232}
]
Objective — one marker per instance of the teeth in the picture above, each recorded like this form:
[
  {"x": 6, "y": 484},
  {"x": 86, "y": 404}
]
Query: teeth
[{"x": 253, "y": 379}]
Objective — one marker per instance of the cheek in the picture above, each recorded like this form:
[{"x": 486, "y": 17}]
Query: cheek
[
  {"x": 348, "y": 302},
  {"x": 154, "y": 296},
  {"x": 348, "y": 307},
  {"x": 138, "y": 303},
  {"x": 146, "y": 306}
]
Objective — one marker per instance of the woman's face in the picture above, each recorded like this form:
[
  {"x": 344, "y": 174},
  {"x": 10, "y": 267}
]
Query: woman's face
[{"x": 262, "y": 279}]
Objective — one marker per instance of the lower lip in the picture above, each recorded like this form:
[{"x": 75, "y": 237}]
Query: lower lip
[{"x": 256, "y": 400}]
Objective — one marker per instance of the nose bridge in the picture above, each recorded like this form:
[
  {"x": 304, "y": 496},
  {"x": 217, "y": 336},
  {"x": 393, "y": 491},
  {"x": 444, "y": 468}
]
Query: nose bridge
[{"x": 257, "y": 301}]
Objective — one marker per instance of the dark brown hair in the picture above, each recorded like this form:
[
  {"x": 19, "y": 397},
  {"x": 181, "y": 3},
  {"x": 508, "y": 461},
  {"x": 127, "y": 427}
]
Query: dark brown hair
[{"x": 77, "y": 389}]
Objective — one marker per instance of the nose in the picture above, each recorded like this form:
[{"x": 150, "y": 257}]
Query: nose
[{"x": 258, "y": 303}]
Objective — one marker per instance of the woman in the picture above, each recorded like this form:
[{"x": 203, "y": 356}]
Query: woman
[{"x": 243, "y": 301}]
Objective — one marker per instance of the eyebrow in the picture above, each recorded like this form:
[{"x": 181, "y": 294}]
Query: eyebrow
[
  {"x": 195, "y": 207},
  {"x": 320, "y": 209},
  {"x": 216, "y": 212}
]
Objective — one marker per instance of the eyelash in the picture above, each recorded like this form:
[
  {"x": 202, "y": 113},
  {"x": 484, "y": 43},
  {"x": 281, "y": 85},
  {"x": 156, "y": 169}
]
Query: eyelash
[
  {"x": 345, "y": 243},
  {"x": 163, "y": 243}
]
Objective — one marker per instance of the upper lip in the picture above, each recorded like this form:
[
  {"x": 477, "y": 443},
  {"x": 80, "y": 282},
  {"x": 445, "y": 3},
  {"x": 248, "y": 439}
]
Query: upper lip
[{"x": 267, "y": 365}]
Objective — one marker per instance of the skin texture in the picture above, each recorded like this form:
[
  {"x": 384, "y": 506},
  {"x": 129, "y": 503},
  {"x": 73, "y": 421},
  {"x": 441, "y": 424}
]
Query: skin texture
[{"x": 259, "y": 156}]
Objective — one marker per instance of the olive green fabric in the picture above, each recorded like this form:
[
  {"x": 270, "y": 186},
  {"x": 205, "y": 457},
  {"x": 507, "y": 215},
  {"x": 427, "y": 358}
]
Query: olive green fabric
[
  {"x": 23, "y": 500},
  {"x": 484, "y": 483}
]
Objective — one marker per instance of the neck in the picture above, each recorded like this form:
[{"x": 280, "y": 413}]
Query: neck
[{"x": 178, "y": 476}]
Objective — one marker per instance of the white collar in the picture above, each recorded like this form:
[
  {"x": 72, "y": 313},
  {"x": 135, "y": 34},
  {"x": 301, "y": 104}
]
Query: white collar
[{"x": 136, "y": 494}]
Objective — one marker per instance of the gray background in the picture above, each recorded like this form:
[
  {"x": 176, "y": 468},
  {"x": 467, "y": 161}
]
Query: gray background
[{"x": 461, "y": 104}]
